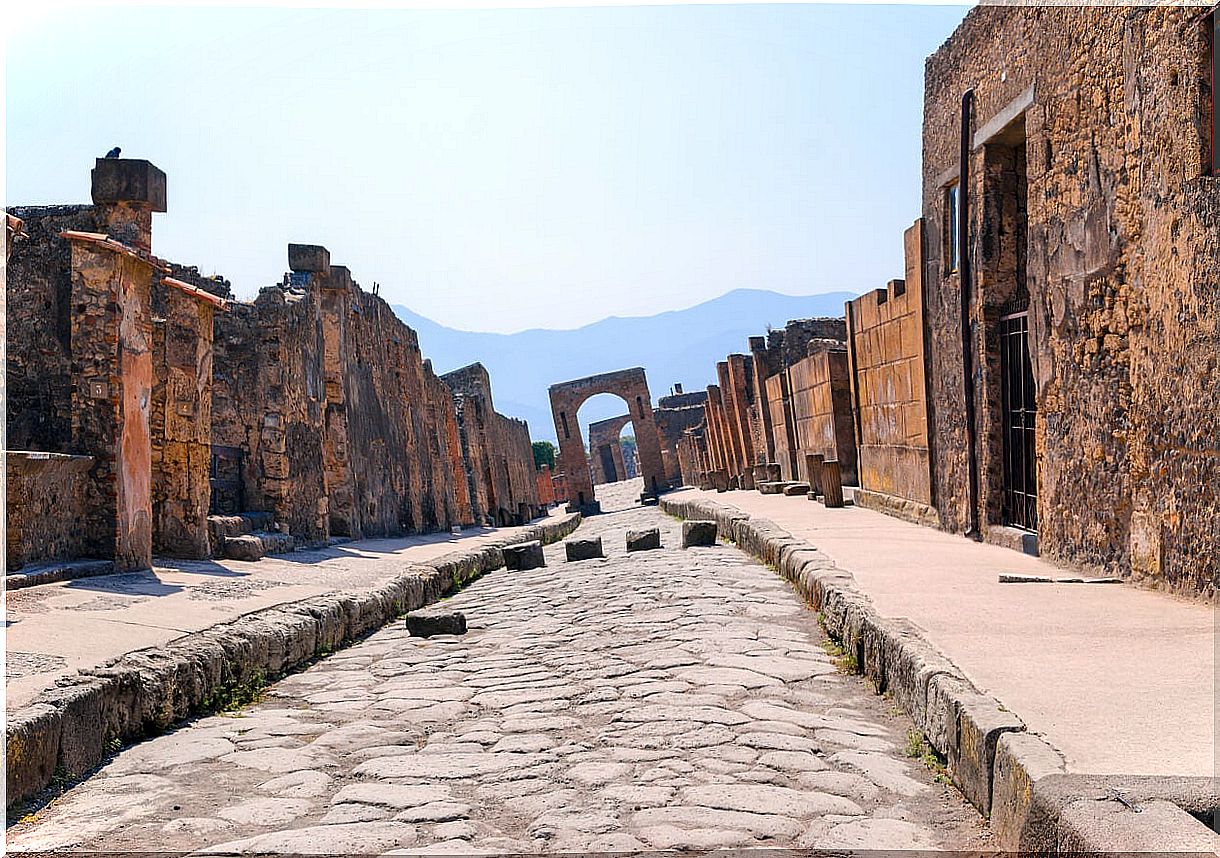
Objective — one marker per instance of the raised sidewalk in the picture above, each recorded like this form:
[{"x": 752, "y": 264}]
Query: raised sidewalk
[
  {"x": 93, "y": 661},
  {"x": 1118, "y": 680}
]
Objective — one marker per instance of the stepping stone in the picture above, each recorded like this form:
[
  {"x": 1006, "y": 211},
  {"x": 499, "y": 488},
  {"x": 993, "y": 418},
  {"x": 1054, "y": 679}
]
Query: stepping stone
[
  {"x": 524, "y": 555},
  {"x": 424, "y": 625},
  {"x": 583, "y": 549},
  {"x": 644, "y": 540},
  {"x": 698, "y": 533}
]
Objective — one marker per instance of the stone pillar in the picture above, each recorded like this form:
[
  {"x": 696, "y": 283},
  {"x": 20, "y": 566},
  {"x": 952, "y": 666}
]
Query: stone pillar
[
  {"x": 832, "y": 484},
  {"x": 182, "y": 420},
  {"x": 112, "y": 366},
  {"x": 813, "y": 473},
  {"x": 760, "y": 370}
]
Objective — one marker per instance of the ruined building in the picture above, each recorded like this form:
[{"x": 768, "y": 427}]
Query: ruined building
[
  {"x": 145, "y": 404},
  {"x": 1046, "y": 375}
]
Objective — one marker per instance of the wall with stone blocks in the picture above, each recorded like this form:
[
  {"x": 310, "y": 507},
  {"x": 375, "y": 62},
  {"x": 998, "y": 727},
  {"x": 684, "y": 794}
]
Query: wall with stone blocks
[
  {"x": 672, "y": 424},
  {"x": 889, "y": 385},
  {"x": 822, "y": 410},
  {"x": 1095, "y": 121},
  {"x": 47, "y": 498}
]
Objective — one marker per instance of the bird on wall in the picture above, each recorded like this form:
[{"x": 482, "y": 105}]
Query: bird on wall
[{"x": 114, "y": 153}]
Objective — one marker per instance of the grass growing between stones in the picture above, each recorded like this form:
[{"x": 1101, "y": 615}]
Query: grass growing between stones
[
  {"x": 917, "y": 748},
  {"x": 232, "y": 698},
  {"x": 844, "y": 661}
]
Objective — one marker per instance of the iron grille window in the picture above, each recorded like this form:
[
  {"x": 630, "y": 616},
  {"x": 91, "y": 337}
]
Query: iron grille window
[{"x": 1019, "y": 414}]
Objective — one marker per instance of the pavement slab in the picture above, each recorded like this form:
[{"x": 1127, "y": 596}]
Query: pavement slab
[{"x": 566, "y": 719}]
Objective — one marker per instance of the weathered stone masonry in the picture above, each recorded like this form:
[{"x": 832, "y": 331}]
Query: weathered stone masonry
[
  {"x": 167, "y": 400},
  {"x": 1089, "y": 210}
]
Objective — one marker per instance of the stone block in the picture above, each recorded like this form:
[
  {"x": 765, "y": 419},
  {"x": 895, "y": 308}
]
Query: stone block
[
  {"x": 32, "y": 740},
  {"x": 1092, "y": 827},
  {"x": 1021, "y": 759},
  {"x": 117, "y": 180},
  {"x": 796, "y": 489},
  {"x": 425, "y": 624},
  {"x": 980, "y": 723},
  {"x": 644, "y": 540},
  {"x": 772, "y": 487},
  {"x": 524, "y": 555},
  {"x": 244, "y": 547},
  {"x": 309, "y": 257},
  {"x": 583, "y": 549},
  {"x": 698, "y": 533},
  {"x": 769, "y": 473}
]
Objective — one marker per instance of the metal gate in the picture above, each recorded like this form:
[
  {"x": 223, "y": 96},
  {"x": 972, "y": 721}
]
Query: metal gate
[
  {"x": 1020, "y": 507},
  {"x": 224, "y": 477}
]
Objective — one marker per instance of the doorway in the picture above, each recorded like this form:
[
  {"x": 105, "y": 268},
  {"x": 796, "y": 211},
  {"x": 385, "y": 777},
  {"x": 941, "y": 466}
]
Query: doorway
[{"x": 1018, "y": 414}]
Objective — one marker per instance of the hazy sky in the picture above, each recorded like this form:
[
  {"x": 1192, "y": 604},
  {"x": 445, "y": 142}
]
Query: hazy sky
[{"x": 498, "y": 169}]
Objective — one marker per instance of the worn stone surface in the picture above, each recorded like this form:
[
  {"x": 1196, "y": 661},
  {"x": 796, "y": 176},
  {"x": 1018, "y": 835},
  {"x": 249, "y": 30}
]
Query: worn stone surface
[
  {"x": 423, "y": 624},
  {"x": 648, "y": 539},
  {"x": 1092, "y": 211},
  {"x": 567, "y": 727},
  {"x": 583, "y": 549},
  {"x": 698, "y": 533},
  {"x": 525, "y": 555}
]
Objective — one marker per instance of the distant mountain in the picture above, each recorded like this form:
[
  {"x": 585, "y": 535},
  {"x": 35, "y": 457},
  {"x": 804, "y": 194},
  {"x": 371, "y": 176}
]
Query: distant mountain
[{"x": 679, "y": 346}]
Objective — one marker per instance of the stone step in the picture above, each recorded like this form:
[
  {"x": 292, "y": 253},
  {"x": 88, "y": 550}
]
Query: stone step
[
  {"x": 221, "y": 526},
  {"x": 255, "y": 546}
]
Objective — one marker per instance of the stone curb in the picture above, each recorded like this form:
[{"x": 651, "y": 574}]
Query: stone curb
[
  {"x": 971, "y": 730},
  {"x": 53, "y": 573},
  {"x": 66, "y": 731}
]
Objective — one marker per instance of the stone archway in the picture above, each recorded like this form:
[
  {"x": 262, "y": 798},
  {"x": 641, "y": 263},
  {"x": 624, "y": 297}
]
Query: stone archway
[
  {"x": 631, "y": 386},
  {"x": 605, "y": 450}
]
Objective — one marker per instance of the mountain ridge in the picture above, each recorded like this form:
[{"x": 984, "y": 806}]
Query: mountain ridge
[{"x": 525, "y": 363}]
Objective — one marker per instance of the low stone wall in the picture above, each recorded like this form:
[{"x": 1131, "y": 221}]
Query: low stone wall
[
  {"x": 46, "y": 503},
  {"x": 909, "y": 510},
  {"x": 65, "y": 732}
]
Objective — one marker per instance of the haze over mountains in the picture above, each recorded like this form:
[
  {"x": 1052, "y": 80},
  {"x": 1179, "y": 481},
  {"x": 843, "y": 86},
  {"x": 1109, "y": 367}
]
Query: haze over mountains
[{"x": 679, "y": 346}]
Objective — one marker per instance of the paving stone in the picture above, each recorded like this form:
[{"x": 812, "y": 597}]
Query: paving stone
[
  {"x": 698, "y": 533},
  {"x": 583, "y": 549},
  {"x": 423, "y": 624},
  {"x": 669, "y": 701},
  {"x": 644, "y": 540},
  {"x": 523, "y": 556}
]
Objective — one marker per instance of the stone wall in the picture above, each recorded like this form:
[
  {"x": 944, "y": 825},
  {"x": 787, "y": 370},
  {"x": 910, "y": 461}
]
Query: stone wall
[
  {"x": 1090, "y": 210},
  {"x": 499, "y": 458},
  {"x": 313, "y": 400},
  {"x": 46, "y": 504},
  {"x": 672, "y": 424},
  {"x": 889, "y": 383},
  {"x": 822, "y": 408},
  {"x": 38, "y": 374}
]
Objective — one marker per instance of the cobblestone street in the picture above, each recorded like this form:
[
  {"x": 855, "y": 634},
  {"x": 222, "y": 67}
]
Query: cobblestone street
[{"x": 657, "y": 700}]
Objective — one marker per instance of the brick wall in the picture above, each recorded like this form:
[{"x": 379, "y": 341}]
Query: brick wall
[{"x": 822, "y": 409}]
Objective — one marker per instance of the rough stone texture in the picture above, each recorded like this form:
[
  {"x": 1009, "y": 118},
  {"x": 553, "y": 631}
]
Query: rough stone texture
[
  {"x": 143, "y": 693},
  {"x": 698, "y": 533},
  {"x": 821, "y": 410},
  {"x": 424, "y": 624},
  {"x": 524, "y": 555},
  {"x": 496, "y": 447},
  {"x": 644, "y": 540},
  {"x": 888, "y": 375},
  {"x": 181, "y": 421},
  {"x": 673, "y": 422},
  {"x": 958, "y": 721},
  {"x": 1021, "y": 760},
  {"x": 46, "y": 503},
  {"x": 1118, "y": 273},
  {"x": 606, "y": 451},
  {"x": 567, "y": 397},
  {"x": 581, "y": 715},
  {"x": 583, "y": 549}
]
